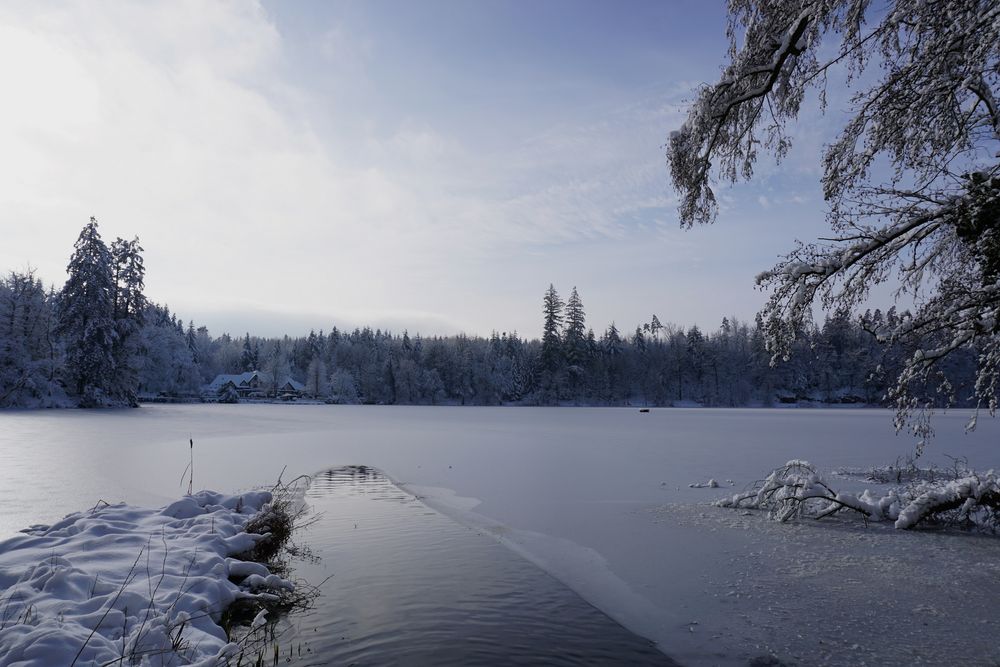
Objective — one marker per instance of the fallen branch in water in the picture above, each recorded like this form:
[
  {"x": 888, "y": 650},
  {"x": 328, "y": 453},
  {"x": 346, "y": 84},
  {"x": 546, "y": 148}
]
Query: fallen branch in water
[{"x": 796, "y": 490}]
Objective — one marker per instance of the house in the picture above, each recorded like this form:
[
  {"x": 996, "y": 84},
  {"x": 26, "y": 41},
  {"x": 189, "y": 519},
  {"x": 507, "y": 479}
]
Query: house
[
  {"x": 251, "y": 383},
  {"x": 290, "y": 389}
]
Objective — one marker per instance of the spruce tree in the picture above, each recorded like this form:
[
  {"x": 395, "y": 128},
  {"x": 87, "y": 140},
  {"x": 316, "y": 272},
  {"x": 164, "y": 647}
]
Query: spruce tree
[
  {"x": 86, "y": 324},
  {"x": 551, "y": 358},
  {"x": 249, "y": 358},
  {"x": 129, "y": 313},
  {"x": 28, "y": 359},
  {"x": 575, "y": 337},
  {"x": 192, "y": 342}
]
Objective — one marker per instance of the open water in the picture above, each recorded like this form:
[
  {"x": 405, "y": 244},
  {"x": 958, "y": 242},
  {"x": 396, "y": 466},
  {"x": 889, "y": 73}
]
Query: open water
[{"x": 405, "y": 585}]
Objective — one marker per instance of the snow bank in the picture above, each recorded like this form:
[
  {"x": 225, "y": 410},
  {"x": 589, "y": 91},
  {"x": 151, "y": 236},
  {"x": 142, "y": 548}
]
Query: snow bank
[{"x": 149, "y": 585}]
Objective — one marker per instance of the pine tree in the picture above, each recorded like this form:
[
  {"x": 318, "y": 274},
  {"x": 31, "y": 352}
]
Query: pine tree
[
  {"x": 613, "y": 348},
  {"x": 129, "y": 316},
  {"x": 551, "y": 358},
  {"x": 613, "y": 341},
  {"x": 86, "y": 324},
  {"x": 575, "y": 337},
  {"x": 249, "y": 358},
  {"x": 28, "y": 359},
  {"x": 655, "y": 326},
  {"x": 696, "y": 360},
  {"x": 192, "y": 342},
  {"x": 639, "y": 340}
]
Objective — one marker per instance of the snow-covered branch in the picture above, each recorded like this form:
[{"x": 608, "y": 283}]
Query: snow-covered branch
[
  {"x": 796, "y": 490},
  {"x": 930, "y": 111}
]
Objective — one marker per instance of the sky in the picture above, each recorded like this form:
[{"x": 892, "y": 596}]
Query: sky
[{"x": 430, "y": 166}]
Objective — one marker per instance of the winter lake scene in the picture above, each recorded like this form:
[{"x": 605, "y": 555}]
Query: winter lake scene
[{"x": 500, "y": 333}]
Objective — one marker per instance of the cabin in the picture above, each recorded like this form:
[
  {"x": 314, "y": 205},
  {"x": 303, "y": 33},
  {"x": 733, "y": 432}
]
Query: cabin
[
  {"x": 291, "y": 389},
  {"x": 245, "y": 385},
  {"x": 253, "y": 384}
]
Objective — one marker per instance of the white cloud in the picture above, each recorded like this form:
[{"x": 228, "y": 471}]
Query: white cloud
[{"x": 177, "y": 122}]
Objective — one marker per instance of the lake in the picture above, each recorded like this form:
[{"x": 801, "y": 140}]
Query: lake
[
  {"x": 598, "y": 498},
  {"x": 403, "y": 584}
]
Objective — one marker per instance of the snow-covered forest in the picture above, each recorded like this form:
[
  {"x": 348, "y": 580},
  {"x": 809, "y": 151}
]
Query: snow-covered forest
[{"x": 99, "y": 341}]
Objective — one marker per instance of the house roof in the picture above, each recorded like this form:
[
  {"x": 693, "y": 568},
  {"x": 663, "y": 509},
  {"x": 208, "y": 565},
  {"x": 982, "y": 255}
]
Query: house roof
[
  {"x": 222, "y": 379},
  {"x": 243, "y": 379}
]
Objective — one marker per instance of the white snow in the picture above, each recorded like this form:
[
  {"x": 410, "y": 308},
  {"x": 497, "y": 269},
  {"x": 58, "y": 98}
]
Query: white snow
[
  {"x": 968, "y": 489},
  {"x": 119, "y": 580}
]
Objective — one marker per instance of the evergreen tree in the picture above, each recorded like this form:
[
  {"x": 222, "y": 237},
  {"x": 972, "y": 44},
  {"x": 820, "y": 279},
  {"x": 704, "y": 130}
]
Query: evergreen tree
[
  {"x": 28, "y": 354},
  {"x": 575, "y": 338},
  {"x": 86, "y": 324},
  {"x": 639, "y": 340},
  {"x": 696, "y": 361},
  {"x": 551, "y": 358},
  {"x": 575, "y": 345},
  {"x": 192, "y": 342},
  {"x": 654, "y": 326},
  {"x": 128, "y": 314},
  {"x": 249, "y": 360},
  {"x": 613, "y": 341}
]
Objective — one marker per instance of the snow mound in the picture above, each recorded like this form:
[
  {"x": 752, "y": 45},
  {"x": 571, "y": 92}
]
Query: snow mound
[
  {"x": 130, "y": 585},
  {"x": 710, "y": 484}
]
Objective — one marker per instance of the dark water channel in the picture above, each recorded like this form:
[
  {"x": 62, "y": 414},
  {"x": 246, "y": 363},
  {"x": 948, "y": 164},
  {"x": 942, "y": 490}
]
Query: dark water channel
[{"x": 410, "y": 586}]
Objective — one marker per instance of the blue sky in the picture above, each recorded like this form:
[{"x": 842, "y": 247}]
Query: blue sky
[{"x": 423, "y": 165}]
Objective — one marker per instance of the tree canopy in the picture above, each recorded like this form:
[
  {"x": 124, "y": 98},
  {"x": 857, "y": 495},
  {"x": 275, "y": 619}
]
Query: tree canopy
[{"x": 912, "y": 182}]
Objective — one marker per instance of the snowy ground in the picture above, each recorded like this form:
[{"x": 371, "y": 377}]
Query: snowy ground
[
  {"x": 600, "y": 498},
  {"x": 136, "y": 585}
]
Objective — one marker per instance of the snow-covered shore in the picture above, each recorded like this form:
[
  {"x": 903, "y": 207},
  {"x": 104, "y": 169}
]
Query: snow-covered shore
[{"x": 147, "y": 584}]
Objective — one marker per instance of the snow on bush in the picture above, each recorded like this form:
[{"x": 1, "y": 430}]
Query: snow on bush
[
  {"x": 129, "y": 585},
  {"x": 797, "y": 490}
]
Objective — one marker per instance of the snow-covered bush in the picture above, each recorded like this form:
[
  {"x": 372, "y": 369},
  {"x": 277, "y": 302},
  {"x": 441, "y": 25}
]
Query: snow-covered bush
[
  {"x": 122, "y": 585},
  {"x": 228, "y": 394},
  {"x": 796, "y": 490}
]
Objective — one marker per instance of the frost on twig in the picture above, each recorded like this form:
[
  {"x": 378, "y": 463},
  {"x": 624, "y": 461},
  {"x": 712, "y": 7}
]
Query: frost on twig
[{"x": 796, "y": 490}]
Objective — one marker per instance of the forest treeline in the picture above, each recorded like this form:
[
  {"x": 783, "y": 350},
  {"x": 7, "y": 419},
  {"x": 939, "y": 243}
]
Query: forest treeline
[{"x": 99, "y": 341}]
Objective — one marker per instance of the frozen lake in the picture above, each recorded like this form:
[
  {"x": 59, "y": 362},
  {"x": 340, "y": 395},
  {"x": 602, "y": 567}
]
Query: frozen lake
[{"x": 597, "y": 497}]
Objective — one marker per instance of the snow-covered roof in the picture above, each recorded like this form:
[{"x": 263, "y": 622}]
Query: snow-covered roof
[
  {"x": 244, "y": 380},
  {"x": 223, "y": 378}
]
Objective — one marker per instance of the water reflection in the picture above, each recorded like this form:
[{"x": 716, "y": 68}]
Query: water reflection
[{"x": 409, "y": 586}]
